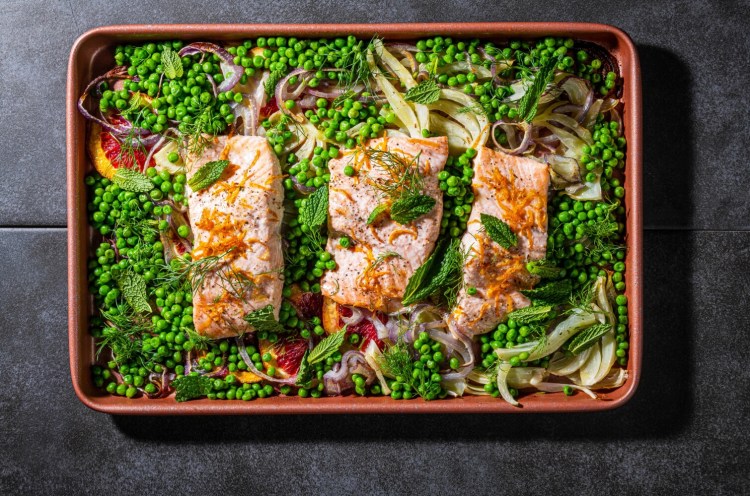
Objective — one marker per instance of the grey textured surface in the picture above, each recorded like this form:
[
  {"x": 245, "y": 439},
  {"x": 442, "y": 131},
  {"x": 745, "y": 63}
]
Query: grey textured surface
[
  {"x": 694, "y": 57},
  {"x": 684, "y": 431}
]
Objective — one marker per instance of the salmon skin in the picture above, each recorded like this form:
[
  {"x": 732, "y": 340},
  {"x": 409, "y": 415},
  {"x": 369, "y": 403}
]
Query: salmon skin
[
  {"x": 374, "y": 270},
  {"x": 513, "y": 189},
  {"x": 236, "y": 225}
]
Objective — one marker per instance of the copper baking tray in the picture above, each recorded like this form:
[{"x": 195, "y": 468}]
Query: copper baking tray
[{"x": 92, "y": 54}]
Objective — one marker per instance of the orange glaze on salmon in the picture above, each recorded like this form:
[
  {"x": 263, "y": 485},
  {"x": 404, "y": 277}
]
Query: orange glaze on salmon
[
  {"x": 373, "y": 272},
  {"x": 513, "y": 189},
  {"x": 238, "y": 220}
]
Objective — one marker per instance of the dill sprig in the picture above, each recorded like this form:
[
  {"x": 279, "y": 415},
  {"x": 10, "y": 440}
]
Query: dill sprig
[
  {"x": 582, "y": 298},
  {"x": 131, "y": 143},
  {"x": 122, "y": 332},
  {"x": 382, "y": 257},
  {"x": 183, "y": 269},
  {"x": 403, "y": 177},
  {"x": 397, "y": 361},
  {"x": 353, "y": 62},
  {"x": 195, "y": 136},
  {"x": 600, "y": 234},
  {"x": 200, "y": 342}
]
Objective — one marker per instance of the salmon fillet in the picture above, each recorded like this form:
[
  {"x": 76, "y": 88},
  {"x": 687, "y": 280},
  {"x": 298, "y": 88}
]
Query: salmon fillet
[
  {"x": 373, "y": 272},
  {"x": 513, "y": 189},
  {"x": 236, "y": 225}
]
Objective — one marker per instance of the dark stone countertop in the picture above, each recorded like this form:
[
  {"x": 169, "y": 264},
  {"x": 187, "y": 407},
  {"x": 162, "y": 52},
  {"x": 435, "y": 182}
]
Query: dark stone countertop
[{"x": 683, "y": 432}]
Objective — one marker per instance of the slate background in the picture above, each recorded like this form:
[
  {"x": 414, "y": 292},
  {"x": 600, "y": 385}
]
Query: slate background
[{"x": 684, "y": 431}]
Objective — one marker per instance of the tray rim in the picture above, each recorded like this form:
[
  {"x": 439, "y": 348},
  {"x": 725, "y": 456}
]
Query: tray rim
[{"x": 77, "y": 241}]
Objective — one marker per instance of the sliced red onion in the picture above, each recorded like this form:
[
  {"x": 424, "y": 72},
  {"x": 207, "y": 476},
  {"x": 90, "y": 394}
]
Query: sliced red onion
[
  {"x": 484, "y": 54},
  {"x": 457, "y": 375},
  {"x": 189, "y": 362},
  {"x": 174, "y": 246},
  {"x": 308, "y": 102},
  {"x": 305, "y": 190},
  {"x": 525, "y": 141},
  {"x": 355, "y": 318},
  {"x": 614, "y": 116},
  {"x": 338, "y": 380},
  {"x": 214, "y": 88},
  {"x": 281, "y": 92},
  {"x": 113, "y": 243},
  {"x": 252, "y": 368},
  {"x": 405, "y": 51},
  {"x": 568, "y": 108},
  {"x": 422, "y": 76},
  {"x": 119, "y": 72},
  {"x": 162, "y": 381},
  {"x": 219, "y": 373},
  {"x": 452, "y": 345},
  {"x": 155, "y": 148},
  {"x": 177, "y": 219},
  {"x": 382, "y": 329},
  {"x": 227, "y": 62}
]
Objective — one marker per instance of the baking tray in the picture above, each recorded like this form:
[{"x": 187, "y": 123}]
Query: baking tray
[{"x": 91, "y": 55}]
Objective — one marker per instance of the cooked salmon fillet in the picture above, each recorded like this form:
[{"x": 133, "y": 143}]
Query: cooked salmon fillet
[
  {"x": 236, "y": 225},
  {"x": 513, "y": 189},
  {"x": 373, "y": 272}
]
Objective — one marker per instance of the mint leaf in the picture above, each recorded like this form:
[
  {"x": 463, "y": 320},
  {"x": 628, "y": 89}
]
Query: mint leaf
[
  {"x": 208, "y": 174},
  {"x": 376, "y": 213},
  {"x": 316, "y": 208},
  {"x": 409, "y": 208},
  {"x": 418, "y": 286},
  {"x": 327, "y": 347},
  {"x": 543, "y": 269},
  {"x": 263, "y": 320},
  {"x": 172, "y": 64},
  {"x": 531, "y": 315},
  {"x": 131, "y": 180},
  {"x": 305, "y": 373},
  {"x": 498, "y": 231},
  {"x": 192, "y": 386},
  {"x": 551, "y": 293},
  {"x": 133, "y": 288},
  {"x": 442, "y": 273},
  {"x": 426, "y": 92},
  {"x": 586, "y": 339}
]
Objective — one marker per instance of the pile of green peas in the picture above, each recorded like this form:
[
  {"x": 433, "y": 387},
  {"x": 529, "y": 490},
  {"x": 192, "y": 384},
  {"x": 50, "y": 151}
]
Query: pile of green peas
[
  {"x": 455, "y": 182},
  {"x": 606, "y": 155},
  {"x": 426, "y": 379},
  {"x": 187, "y": 99},
  {"x": 335, "y": 123}
]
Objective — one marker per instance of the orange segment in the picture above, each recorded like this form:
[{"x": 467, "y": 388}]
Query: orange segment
[{"x": 98, "y": 157}]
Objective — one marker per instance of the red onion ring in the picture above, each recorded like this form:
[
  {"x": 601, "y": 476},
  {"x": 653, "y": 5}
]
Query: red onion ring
[
  {"x": 301, "y": 188},
  {"x": 452, "y": 345},
  {"x": 308, "y": 102},
  {"x": 338, "y": 379},
  {"x": 280, "y": 91},
  {"x": 525, "y": 141},
  {"x": 119, "y": 72},
  {"x": 226, "y": 59},
  {"x": 214, "y": 88}
]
